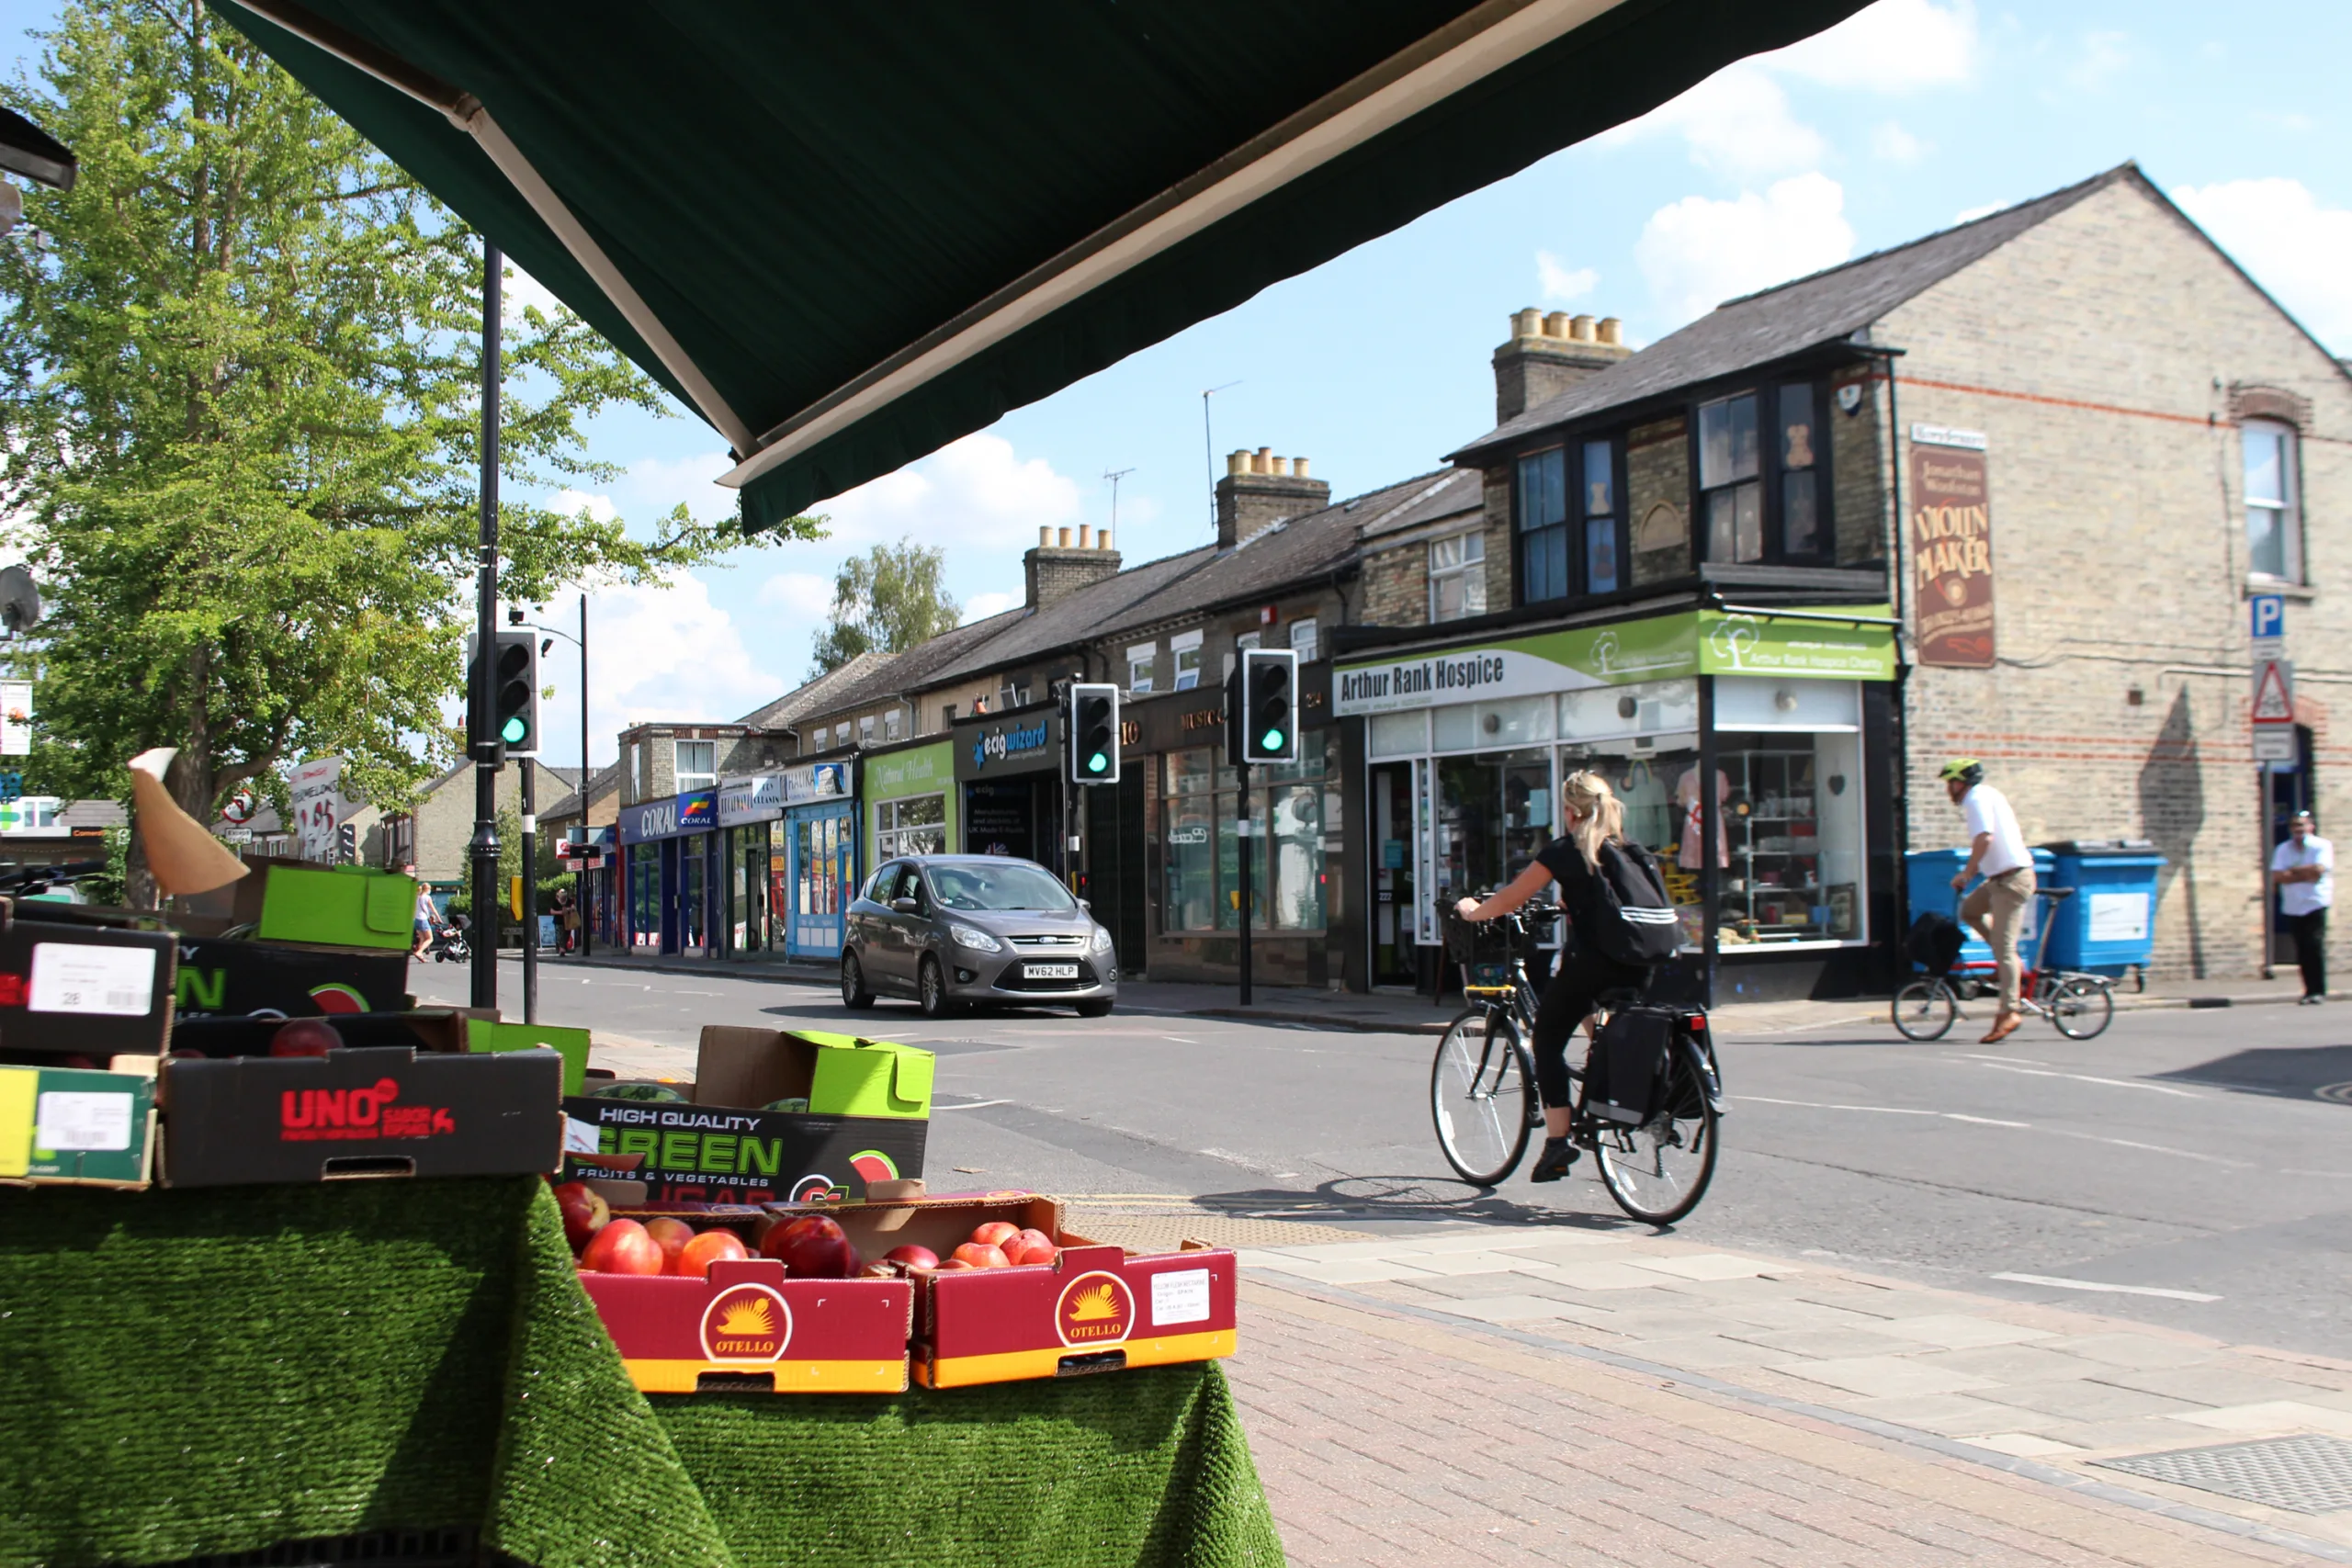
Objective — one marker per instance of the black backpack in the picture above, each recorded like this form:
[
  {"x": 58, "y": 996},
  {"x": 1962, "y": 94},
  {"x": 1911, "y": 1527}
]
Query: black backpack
[
  {"x": 1934, "y": 943},
  {"x": 1626, "y": 913}
]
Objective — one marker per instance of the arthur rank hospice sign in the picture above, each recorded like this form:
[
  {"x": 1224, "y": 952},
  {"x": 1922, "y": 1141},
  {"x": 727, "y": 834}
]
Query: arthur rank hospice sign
[{"x": 1951, "y": 548}]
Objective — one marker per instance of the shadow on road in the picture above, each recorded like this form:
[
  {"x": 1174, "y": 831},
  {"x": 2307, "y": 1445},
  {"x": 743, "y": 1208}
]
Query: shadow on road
[
  {"x": 1402, "y": 1198},
  {"x": 2305, "y": 1072}
]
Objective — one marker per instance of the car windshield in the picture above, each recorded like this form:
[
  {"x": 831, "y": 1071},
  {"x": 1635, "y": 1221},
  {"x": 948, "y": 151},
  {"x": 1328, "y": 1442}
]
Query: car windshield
[{"x": 1011, "y": 886}]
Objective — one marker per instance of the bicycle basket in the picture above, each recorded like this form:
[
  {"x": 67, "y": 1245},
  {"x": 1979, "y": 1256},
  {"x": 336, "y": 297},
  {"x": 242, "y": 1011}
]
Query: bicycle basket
[{"x": 1476, "y": 942}]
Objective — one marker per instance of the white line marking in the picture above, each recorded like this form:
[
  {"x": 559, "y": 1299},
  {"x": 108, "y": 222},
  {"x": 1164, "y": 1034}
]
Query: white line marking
[
  {"x": 2058, "y": 1285},
  {"x": 1883, "y": 1111},
  {"x": 975, "y": 1105},
  {"x": 2083, "y": 1077}
]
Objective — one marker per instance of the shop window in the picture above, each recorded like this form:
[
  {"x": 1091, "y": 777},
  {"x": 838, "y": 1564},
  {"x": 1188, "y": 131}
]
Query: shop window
[
  {"x": 916, "y": 825},
  {"x": 1543, "y": 527},
  {"x": 1731, "y": 506},
  {"x": 1457, "y": 576},
  {"x": 1599, "y": 513},
  {"x": 1306, "y": 640},
  {"x": 1202, "y": 840},
  {"x": 1803, "y": 535},
  {"x": 697, "y": 765},
  {"x": 2273, "y": 527},
  {"x": 645, "y": 895},
  {"x": 1141, "y": 661}
]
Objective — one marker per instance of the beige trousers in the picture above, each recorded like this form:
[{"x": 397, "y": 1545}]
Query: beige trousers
[{"x": 1994, "y": 911}]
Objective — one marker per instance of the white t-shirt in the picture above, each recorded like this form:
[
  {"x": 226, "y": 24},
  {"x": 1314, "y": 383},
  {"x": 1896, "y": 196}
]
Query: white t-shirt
[
  {"x": 2302, "y": 897},
  {"x": 1987, "y": 811}
]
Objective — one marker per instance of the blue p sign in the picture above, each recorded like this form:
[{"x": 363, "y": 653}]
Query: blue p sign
[{"x": 2269, "y": 615}]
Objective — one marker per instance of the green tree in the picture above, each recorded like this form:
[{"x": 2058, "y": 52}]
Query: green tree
[
  {"x": 890, "y": 600},
  {"x": 240, "y": 368}
]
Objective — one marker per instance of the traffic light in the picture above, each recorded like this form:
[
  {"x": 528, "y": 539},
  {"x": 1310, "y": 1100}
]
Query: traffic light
[
  {"x": 513, "y": 729},
  {"x": 1268, "y": 707},
  {"x": 1091, "y": 732},
  {"x": 347, "y": 844}
]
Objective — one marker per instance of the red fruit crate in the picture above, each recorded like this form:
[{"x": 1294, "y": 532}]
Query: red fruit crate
[{"x": 749, "y": 1327}]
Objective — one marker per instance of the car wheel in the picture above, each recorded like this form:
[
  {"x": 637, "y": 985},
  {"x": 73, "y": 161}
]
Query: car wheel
[
  {"x": 853, "y": 992},
  {"x": 931, "y": 990},
  {"x": 1094, "y": 1007}
]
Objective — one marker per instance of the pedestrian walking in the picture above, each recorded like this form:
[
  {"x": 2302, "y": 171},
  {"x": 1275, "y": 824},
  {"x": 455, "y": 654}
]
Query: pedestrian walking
[
  {"x": 567, "y": 919},
  {"x": 2303, "y": 869},
  {"x": 426, "y": 914},
  {"x": 1996, "y": 851}
]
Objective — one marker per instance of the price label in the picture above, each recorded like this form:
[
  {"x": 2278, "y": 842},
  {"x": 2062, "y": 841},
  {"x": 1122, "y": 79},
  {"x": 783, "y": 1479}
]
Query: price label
[
  {"x": 1180, "y": 1297},
  {"x": 72, "y": 1120},
  {"x": 71, "y": 976}
]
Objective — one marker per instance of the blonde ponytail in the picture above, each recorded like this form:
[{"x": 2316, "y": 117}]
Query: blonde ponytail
[{"x": 1588, "y": 797}]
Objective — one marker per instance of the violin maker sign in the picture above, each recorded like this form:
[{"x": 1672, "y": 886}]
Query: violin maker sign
[{"x": 1951, "y": 547}]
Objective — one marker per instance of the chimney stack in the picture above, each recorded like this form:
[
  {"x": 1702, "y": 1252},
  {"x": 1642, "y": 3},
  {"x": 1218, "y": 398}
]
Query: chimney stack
[
  {"x": 1547, "y": 355},
  {"x": 1054, "y": 570},
  {"x": 1261, "y": 490}
]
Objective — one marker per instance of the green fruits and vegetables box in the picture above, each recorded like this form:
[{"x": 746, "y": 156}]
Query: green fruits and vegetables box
[
  {"x": 364, "y": 1111},
  {"x": 295, "y": 901},
  {"x": 694, "y": 1307},
  {"x": 88, "y": 991},
  {"x": 1002, "y": 1293},
  {"x": 770, "y": 1115},
  {"x": 220, "y": 977},
  {"x": 75, "y": 1127}
]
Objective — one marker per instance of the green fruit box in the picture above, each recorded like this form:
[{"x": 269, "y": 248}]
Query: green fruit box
[
  {"x": 1095, "y": 1308},
  {"x": 75, "y": 1127},
  {"x": 838, "y": 1075},
  {"x": 294, "y": 901}
]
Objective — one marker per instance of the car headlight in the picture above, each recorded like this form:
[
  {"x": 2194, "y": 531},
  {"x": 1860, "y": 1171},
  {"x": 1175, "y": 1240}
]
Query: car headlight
[
  {"x": 1102, "y": 939},
  {"x": 977, "y": 941}
]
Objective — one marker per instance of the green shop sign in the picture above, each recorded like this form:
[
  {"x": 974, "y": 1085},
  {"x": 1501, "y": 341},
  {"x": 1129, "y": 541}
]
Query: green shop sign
[
  {"x": 921, "y": 771},
  {"x": 1697, "y": 642}
]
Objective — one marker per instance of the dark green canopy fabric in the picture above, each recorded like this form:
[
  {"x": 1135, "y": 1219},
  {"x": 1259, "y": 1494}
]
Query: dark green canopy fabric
[{"x": 803, "y": 194}]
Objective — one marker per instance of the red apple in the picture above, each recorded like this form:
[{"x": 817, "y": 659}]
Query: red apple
[
  {"x": 974, "y": 1255},
  {"x": 996, "y": 1233},
  {"x": 584, "y": 1213},
  {"x": 1030, "y": 1247},
  {"x": 813, "y": 1247},
  {"x": 671, "y": 1235},
  {"x": 953, "y": 1264},
  {"x": 913, "y": 1257},
  {"x": 693, "y": 1259},
  {"x": 305, "y": 1037},
  {"x": 623, "y": 1247}
]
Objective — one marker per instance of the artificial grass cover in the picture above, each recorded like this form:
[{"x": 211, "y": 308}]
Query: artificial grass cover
[{"x": 220, "y": 1371}]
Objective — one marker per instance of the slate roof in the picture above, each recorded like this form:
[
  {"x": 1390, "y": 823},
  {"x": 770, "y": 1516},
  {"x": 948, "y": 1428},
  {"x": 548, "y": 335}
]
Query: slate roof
[
  {"x": 1825, "y": 307},
  {"x": 1448, "y": 493},
  {"x": 813, "y": 696},
  {"x": 605, "y": 778}
]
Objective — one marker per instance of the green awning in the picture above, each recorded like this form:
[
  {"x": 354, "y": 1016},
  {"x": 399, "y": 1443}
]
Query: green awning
[{"x": 849, "y": 233}]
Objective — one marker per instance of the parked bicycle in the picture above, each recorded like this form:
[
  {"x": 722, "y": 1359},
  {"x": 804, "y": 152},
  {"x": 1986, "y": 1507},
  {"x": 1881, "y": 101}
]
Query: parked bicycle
[
  {"x": 2079, "y": 1006},
  {"x": 1483, "y": 1097}
]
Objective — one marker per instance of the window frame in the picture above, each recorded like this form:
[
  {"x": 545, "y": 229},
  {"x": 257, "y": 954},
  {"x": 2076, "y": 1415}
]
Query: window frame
[
  {"x": 680, "y": 774},
  {"x": 1526, "y": 537},
  {"x": 1464, "y": 571},
  {"x": 1185, "y": 648},
  {"x": 1770, "y": 478},
  {"x": 1143, "y": 656},
  {"x": 1310, "y": 648},
  {"x": 2290, "y": 507}
]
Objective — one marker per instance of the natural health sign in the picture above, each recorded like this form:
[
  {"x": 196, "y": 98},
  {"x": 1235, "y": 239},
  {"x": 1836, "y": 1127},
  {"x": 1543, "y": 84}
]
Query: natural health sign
[{"x": 1703, "y": 642}]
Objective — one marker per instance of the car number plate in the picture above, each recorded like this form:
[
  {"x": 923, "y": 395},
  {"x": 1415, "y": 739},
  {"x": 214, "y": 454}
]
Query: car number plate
[{"x": 1053, "y": 971}]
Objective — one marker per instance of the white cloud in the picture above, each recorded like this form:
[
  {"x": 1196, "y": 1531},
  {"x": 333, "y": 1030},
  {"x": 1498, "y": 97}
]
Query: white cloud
[
  {"x": 1561, "y": 283},
  {"x": 2104, "y": 58},
  {"x": 2299, "y": 250},
  {"x": 973, "y": 495},
  {"x": 521, "y": 289},
  {"x": 1895, "y": 45},
  {"x": 1736, "y": 122},
  {"x": 572, "y": 502},
  {"x": 803, "y": 595},
  {"x": 1697, "y": 253},
  {"x": 981, "y": 606},
  {"x": 1971, "y": 214},
  {"x": 668, "y": 653},
  {"x": 1890, "y": 143},
  {"x": 653, "y": 487}
]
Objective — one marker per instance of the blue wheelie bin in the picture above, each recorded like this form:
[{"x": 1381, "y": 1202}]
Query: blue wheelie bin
[
  {"x": 1928, "y": 875},
  {"x": 2109, "y": 927}
]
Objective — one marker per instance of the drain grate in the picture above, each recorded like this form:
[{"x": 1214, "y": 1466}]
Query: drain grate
[{"x": 2308, "y": 1474}]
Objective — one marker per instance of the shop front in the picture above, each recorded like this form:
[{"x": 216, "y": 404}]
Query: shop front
[
  {"x": 748, "y": 810},
  {"x": 1753, "y": 752},
  {"x": 813, "y": 854},
  {"x": 910, "y": 802},
  {"x": 671, "y": 866},
  {"x": 1008, "y": 771}
]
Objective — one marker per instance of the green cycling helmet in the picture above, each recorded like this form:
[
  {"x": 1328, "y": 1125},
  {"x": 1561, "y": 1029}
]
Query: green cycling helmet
[{"x": 1967, "y": 770}]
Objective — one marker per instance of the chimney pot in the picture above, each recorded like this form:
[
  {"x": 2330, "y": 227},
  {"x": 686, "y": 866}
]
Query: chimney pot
[
  {"x": 1527, "y": 323},
  {"x": 1064, "y": 540},
  {"x": 1556, "y": 324},
  {"x": 1612, "y": 331},
  {"x": 1262, "y": 462},
  {"x": 1299, "y": 468},
  {"x": 1045, "y": 535},
  {"x": 1084, "y": 530},
  {"x": 1102, "y": 539},
  {"x": 1280, "y": 466},
  {"x": 1238, "y": 462},
  {"x": 1581, "y": 329}
]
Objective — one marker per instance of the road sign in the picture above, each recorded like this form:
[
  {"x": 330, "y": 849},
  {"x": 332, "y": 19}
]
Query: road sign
[
  {"x": 2274, "y": 693},
  {"x": 2270, "y": 612},
  {"x": 241, "y": 806},
  {"x": 2275, "y": 744}
]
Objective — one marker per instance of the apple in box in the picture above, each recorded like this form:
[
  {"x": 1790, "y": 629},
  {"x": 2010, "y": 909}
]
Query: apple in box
[
  {"x": 812, "y": 1247},
  {"x": 623, "y": 1247}
]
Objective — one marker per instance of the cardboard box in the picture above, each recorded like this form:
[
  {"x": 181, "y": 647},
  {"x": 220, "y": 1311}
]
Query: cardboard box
[
  {"x": 839, "y": 1074},
  {"x": 420, "y": 1029},
  {"x": 74, "y": 1127},
  {"x": 749, "y": 1327},
  {"x": 229, "y": 978},
  {"x": 379, "y": 1111},
  {"x": 1096, "y": 1308},
  {"x": 297, "y": 901},
  {"x": 692, "y": 1152},
  {"x": 87, "y": 990},
  {"x": 571, "y": 1044}
]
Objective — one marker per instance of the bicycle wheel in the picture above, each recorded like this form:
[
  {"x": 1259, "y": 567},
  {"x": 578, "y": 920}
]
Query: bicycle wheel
[
  {"x": 1924, "y": 1009},
  {"x": 1482, "y": 1097},
  {"x": 2081, "y": 1006},
  {"x": 1658, "y": 1171}
]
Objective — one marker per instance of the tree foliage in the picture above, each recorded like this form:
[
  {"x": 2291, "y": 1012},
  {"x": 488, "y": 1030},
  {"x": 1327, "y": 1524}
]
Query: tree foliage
[
  {"x": 240, "y": 366},
  {"x": 887, "y": 600}
]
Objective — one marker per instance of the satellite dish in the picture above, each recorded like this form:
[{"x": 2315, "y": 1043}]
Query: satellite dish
[{"x": 19, "y": 600}]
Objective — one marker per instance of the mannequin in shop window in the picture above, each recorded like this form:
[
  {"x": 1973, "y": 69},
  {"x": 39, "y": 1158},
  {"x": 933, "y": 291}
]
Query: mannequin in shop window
[{"x": 1686, "y": 795}]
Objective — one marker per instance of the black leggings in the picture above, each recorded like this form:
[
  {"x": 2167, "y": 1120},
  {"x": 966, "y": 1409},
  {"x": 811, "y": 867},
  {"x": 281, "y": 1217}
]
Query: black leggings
[{"x": 1583, "y": 975}]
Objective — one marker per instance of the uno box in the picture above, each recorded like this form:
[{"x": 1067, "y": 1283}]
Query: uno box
[
  {"x": 422, "y": 1029},
  {"x": 1096, "y": 1308},
  {"x": 384, "y": 1110},
  {"x": 292, "y": 901},
  {"x": 746, "y": 1327},
  {"x": 74, "y": 1127},
  {"x": 230, "y": 978},
  {"x": 91, "y": 990}
]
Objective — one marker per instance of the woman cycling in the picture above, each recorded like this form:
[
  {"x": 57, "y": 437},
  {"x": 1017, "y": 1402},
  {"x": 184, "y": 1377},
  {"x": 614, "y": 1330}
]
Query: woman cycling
[{"x": 1596, "y": 826}]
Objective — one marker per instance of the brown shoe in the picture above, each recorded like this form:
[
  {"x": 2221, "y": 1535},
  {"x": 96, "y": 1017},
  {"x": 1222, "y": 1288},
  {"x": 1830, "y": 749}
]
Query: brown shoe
[{"x": 2003, "y": 1025}]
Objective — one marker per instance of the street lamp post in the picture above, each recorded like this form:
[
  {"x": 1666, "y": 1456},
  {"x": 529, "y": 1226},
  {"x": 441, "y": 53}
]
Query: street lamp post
[{"x": 483, "y": 737}]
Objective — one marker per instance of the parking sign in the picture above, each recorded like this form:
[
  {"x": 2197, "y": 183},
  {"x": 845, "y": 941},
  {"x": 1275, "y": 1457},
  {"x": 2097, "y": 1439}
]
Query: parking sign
[{"x": 2269, "y": 611}]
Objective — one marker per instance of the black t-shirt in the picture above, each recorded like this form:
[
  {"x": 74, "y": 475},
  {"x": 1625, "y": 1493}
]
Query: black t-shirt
[{"x": 1566, "y": 862}]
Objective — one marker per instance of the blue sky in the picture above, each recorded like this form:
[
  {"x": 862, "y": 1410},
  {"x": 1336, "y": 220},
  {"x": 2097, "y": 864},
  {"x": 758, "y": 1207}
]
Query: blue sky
[{"x": 1373, "y": 365}]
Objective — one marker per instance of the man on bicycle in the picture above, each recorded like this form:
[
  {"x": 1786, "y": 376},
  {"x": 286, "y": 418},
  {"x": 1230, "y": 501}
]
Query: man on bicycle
[
  {"x": 1997, "y": 849},
  {"x": 1596, "y": 827}
]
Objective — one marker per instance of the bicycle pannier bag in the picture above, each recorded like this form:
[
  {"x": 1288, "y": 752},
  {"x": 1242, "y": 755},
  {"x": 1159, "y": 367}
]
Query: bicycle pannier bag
[
  {"x": 1626, "y": 1079},
  {"x": 1934, "y": 943},
  {"x": 1628, "y": 915}
]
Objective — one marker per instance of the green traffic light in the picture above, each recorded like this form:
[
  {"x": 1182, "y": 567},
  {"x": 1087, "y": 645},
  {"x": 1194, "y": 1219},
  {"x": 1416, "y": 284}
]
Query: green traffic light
[
  {"x": 1097, "y": 762},
  {"x": 1273, "y": 742},
  {"x": 514, "y": 731}
]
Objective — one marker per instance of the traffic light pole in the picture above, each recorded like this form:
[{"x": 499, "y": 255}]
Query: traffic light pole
[
  {"x": 482, "y": 737},
  {"x": 1241, "y": 770},
  {"x": 530, "y": 891},
  {"x": 583, "y": 907}
]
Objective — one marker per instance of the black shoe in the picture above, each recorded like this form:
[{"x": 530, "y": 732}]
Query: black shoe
[{"x": 1554, "y": 1162}]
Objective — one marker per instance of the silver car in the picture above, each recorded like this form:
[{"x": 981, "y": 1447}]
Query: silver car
[{"x": 951, "y": 930}]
